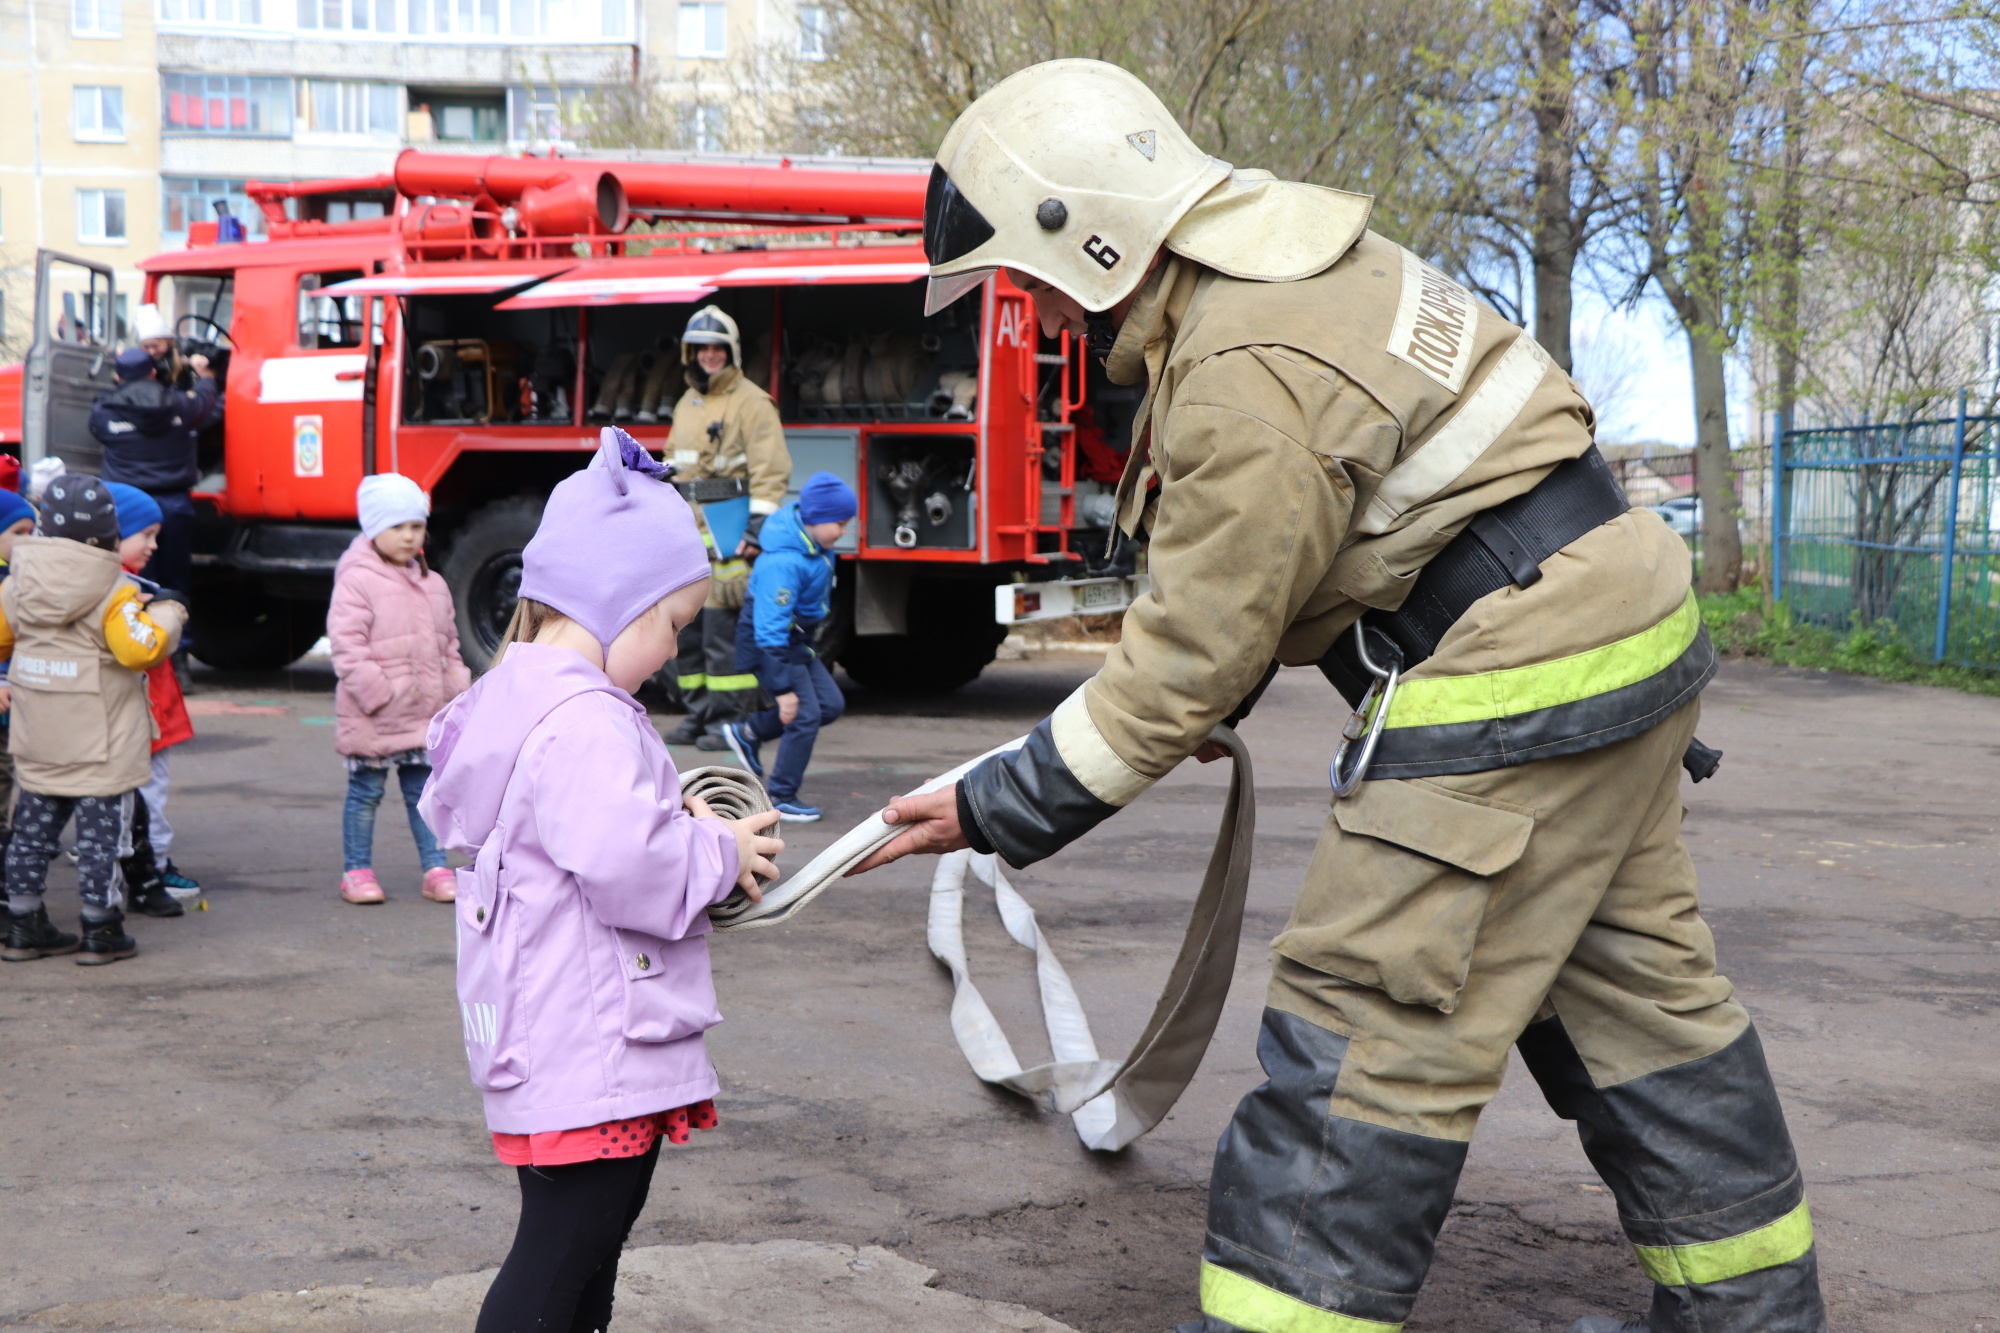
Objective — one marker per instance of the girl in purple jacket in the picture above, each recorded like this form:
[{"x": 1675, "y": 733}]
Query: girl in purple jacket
[{"x": 583, "y": 979}]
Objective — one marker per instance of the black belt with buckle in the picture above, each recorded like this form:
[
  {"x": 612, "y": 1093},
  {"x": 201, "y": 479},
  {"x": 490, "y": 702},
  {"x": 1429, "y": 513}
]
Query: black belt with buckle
[
  {"x": 1502, "y": 545},
  {"x": 712, "y": 490}
]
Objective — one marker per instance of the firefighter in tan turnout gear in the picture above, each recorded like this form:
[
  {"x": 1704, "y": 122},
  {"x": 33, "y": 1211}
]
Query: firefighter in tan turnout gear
[
  {"x": 1344, "y": 459},
  {"x": 727, "y": 443}
]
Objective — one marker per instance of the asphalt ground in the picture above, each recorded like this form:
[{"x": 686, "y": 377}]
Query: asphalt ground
[{"x": 273, "y": 1095}]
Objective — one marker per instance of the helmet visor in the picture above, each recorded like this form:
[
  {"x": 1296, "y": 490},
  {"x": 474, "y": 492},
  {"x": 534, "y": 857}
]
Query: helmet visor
[
  {"x": 953, "y": 228},
  {"x": 943, "y": 291}
]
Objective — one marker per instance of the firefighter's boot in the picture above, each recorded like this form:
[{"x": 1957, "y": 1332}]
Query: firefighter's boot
[
  {"x": 614, "y": 382},
  {"x": 1708, "y": 1188},
  {"x": 1315, "y": 1220},
  {"x": 690, "y": 670},
  {"x": 654, "y": 396},
  {"x": 628, "y": 390}
]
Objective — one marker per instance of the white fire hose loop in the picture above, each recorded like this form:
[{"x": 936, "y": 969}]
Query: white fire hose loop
[{"x": 1111, "y": 1103}]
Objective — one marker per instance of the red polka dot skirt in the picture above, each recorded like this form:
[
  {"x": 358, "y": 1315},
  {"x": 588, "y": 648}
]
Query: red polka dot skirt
[{"x": 613, "y": 1138}]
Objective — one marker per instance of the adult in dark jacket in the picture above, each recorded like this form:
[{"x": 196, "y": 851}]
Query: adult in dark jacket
[{"x": 148, "y": 430}]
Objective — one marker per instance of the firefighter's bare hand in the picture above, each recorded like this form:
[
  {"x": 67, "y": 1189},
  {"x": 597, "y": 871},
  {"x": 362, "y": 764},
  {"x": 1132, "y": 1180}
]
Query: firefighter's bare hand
[
  {"x": 1210, "y": 751},
  {"x": 754, "y": 854},
  {"x": 933, "y": 829},
  {"x": 788, "y": 708},
  {"x": 200, "y": 364},
  {"x": 6, "y": 698}
]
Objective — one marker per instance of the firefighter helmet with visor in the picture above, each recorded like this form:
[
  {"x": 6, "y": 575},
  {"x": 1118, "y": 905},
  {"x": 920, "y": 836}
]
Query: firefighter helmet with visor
[
  {"x": 711, "y": 326},
  {"x": 1074, "y": 172}
]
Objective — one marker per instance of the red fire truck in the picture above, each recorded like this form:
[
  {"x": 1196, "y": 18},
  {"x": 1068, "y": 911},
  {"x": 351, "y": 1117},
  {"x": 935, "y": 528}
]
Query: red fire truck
[{"x": 472, "y": 322}]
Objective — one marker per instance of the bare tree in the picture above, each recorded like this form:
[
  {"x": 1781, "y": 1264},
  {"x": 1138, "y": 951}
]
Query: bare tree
[
  {"x": 1531, "y": 188},
  {"x": 1335, "y": 94},
  {"x": 1692, "y": 86}
]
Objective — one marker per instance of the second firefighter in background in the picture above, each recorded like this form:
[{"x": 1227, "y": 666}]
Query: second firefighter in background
[{"x": 725, "y": 427}]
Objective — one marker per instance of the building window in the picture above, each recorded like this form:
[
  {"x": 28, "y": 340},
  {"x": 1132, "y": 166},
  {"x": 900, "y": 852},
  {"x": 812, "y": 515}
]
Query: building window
[
  {"x": 547, "y": 114},
  {"x": 812, "y": 32},
  {"x": 330, "y": 107},
  {"x": 94, "y": 18},
  {"x": 227, "y": 13},
  {"x": 225, "y": 104},
  {"x": 456, "y": 18},
  {"x": 615, "y": 18},
  {"x": 189, "y": 200},
  {"x": 351, "y": 15},
  {"x": 705, "y": 128},
  {"x": 100, "y": 217},
  {"x": 703, "y": 30},
  {"x": 97, "y": 114}
]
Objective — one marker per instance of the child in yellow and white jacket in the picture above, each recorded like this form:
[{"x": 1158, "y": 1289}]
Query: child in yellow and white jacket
[{"x": 81, "y": 634}]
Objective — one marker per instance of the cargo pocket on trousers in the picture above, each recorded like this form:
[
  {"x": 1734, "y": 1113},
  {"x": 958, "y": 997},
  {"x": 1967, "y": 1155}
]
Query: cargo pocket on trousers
[
  {"x": 489, "y": 973},
  {"x": 1399, "y": 886}
]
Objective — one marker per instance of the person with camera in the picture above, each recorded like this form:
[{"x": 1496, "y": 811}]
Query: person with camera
[{"x": 148, "y": 427}]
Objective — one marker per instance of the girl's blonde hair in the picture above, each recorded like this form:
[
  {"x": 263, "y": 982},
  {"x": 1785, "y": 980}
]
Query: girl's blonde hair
[{"x": 528, "y": 620}]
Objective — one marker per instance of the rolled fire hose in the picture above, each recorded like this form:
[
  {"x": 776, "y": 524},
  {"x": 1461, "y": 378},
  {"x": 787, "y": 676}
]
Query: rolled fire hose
[{"x": 1111, "y": 1103}]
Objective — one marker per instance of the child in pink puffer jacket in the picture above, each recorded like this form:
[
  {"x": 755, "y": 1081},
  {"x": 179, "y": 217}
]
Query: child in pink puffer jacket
[{"x": 395, "y": 650}]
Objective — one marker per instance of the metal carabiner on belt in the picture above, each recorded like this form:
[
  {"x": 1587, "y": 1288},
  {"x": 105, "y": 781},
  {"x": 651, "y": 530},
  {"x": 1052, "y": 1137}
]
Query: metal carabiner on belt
[{"x": 1380, "y": 692}]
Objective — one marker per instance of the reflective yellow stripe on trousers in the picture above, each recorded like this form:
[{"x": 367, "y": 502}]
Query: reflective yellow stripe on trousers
[
  {"x": 1719, "y": 1260},
  {"x": 1486, "y": 695},
  {"x": 724, "y": 684},
  {"x": 1256, "y": 1308}
]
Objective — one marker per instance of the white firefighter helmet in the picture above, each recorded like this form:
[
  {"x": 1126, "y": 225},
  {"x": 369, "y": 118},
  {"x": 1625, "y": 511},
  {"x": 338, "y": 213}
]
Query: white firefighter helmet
[
  {"x": 711, "y": 326},
  {"x": 1073, "y": 172},
  {"x": 148, "y": 322}
]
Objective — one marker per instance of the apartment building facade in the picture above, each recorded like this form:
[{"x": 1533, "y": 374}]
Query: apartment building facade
[{"x": 129, "y": 120}]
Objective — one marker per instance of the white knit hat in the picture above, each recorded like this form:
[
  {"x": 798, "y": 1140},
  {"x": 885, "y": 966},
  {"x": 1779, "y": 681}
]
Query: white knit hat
[
  {"x": 389, "y": 498},
  {"x": 151, "y": 324}
]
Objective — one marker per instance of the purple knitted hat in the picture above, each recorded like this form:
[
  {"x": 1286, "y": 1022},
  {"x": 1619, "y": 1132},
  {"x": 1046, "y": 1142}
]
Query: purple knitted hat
[{"x": 614, "y": 539}]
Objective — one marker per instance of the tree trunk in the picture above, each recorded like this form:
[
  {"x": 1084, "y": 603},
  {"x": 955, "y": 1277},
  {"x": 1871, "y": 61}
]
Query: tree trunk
[
  {"x": 1556, "y": 240},
  {"x": 1714, "y": 478}
]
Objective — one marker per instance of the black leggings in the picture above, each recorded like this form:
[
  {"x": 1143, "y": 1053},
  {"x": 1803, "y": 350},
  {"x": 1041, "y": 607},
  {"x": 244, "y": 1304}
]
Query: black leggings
[{"x": 574, "y": 1220}]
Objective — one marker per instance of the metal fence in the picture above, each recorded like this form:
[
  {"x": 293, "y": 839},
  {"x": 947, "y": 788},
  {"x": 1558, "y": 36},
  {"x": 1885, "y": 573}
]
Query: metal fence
[
  {"x": 1894, "y": 528},
  {"x": 1662, "y": 478}
]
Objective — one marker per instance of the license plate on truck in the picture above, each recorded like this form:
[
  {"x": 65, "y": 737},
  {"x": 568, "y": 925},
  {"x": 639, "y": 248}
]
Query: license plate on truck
[{"x": 1019, "y": 603}]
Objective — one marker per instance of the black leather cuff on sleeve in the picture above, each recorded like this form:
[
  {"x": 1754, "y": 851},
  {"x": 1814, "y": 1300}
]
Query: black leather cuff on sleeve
[
  {"x": 1028, "y": 804},
  {"x": 968, "y": 824}
]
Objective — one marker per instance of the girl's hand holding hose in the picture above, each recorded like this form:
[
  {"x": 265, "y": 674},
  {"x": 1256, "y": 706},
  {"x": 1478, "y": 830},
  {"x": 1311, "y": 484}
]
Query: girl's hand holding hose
[{"x": 753, "y": 853}]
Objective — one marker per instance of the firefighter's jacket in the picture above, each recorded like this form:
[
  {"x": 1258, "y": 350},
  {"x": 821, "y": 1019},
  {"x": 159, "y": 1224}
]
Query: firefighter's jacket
[
  {"x": 732, "y": 430},
  {"x": 1306, "y": 448}
]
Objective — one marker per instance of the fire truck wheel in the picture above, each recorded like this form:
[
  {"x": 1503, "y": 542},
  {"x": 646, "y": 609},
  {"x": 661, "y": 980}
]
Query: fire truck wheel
[
  {"x": 244, "y": 630},
  {"x": 952, "y": 637},
  {"x": 483, "y": 571}
]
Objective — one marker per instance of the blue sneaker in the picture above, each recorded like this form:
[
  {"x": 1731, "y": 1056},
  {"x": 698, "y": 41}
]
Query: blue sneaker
[
  {"x": 745, "y": 747},
  {"x": 795, "y": 812}
]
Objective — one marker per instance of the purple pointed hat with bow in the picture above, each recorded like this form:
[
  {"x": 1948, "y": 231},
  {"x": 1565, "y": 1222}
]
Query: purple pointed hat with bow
[{"x": 614, "y": 539}]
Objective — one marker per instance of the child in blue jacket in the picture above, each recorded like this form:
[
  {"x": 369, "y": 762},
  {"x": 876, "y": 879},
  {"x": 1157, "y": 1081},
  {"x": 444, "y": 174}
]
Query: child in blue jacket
[{"x": 791, "y": 588}]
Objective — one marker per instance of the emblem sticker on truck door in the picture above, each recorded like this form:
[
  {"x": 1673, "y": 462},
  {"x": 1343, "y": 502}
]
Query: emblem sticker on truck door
[
  {"x": 308, "y": 451},
  {"x": 1435, "y": 323}
]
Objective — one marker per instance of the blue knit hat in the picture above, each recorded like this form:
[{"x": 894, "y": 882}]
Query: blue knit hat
[
  {"x": 14, "y": 507},
  {"x": 825, "y": 498},
  {"x": 136, "y": 509},
  {"x": 134, "y": 363}
]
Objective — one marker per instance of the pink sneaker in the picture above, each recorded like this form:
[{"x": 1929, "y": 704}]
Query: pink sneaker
[
  {"x": 441, "y": 885},
  {"x": 360, "y": 886}
]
